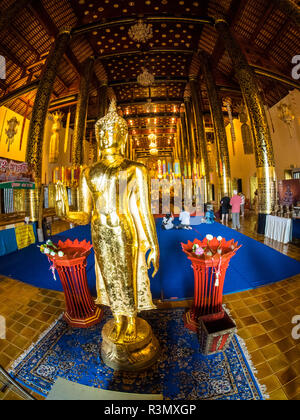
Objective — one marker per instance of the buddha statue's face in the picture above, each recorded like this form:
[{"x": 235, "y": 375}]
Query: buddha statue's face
[
  {"x": 112, "y": 130},
  {"x": 111, "y": 136}
]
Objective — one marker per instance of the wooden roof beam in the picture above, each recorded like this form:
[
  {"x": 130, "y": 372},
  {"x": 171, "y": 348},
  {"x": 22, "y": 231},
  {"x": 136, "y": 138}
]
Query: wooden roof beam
[
  {"x": 8, "y": 55},
  {"x": 23, "y": 41},
  {"x": 266, "y": 14},
  {"x": 235, "y": 12},
  {"x": 41, "y": 14}
]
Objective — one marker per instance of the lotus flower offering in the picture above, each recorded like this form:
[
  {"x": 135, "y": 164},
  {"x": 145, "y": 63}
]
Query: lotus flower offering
[
  {"x": 66, "y": 250},
  {"x": 210, "y": 249},
  {"x": 69, "y": 258},
  {"x": 210, "y": 259}
]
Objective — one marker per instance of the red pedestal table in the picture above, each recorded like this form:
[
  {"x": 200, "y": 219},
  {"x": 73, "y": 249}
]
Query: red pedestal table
[
  {"x": 209, "y": 276},
  {"x": 81, "y": 310}
]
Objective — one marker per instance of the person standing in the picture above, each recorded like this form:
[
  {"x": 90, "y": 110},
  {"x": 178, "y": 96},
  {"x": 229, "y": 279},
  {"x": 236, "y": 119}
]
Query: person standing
[
  {"x": 225, "y": 207},
  {"x": 235, "y": 203},
  {"x": 242, "y": 204}
]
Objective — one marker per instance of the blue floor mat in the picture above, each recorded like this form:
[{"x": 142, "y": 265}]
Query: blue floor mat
[{"x": 254, "y": 265}]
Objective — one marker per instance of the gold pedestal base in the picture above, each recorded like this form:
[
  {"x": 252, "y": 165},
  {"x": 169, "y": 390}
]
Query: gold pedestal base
[{"x": 139, "y": 355}]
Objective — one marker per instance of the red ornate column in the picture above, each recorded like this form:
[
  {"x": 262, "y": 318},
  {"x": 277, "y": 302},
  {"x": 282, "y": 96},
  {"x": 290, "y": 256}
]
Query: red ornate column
[
  {"x": 81, "y": 310},
  {"x": 210, "y": 267}
]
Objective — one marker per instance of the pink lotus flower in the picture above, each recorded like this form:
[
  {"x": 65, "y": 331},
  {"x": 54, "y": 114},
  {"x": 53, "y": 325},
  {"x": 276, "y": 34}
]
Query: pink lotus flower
[{"x": 199, "y": 251}]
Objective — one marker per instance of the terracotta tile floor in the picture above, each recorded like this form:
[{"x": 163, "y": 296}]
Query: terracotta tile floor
[{"x": 263, "y": 318}]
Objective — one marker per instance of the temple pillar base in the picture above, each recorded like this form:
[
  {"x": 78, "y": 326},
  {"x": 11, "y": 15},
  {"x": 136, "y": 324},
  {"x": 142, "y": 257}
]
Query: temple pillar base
[
  {"x": 139, "y": 355},
  {"x": 261, "y": 223}
]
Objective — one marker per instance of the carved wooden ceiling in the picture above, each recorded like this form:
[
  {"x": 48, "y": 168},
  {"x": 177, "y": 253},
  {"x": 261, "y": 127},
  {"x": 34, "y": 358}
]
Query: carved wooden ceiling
[{"x": 267, "y": 36}]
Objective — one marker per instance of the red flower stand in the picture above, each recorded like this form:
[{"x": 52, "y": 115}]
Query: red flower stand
[
  {"x": 209, "y": 276},
  {"x": 81, "y": 310}
]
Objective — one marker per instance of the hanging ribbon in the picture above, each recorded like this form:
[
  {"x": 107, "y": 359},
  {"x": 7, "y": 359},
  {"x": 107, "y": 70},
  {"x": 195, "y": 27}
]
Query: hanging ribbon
[
  {"x": 52, "y": 268},
  {"x": 67, "y": 132},
  {"x": 233, "y": 136}
]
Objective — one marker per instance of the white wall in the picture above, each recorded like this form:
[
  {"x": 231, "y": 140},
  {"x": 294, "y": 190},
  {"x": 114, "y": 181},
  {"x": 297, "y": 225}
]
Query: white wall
[{"x": 286, "y": 143}]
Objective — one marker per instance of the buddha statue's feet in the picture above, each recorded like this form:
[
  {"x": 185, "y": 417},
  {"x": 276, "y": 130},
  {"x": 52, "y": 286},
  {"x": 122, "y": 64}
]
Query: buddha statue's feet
[
  {"x": 136, "y": 349},
  {"x": 130, "y": 333},
  {"x": 116, "y": 332}
]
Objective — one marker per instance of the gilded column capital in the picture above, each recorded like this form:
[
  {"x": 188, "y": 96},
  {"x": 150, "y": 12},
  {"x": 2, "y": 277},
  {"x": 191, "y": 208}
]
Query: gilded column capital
[
  {"x": 219, "y": 18},
  {"x": 103, "y": 83},
  {"x": 193, "y": 78},
  {"x": 187, "y": 93},
  {"x": 65, "y": 30}
]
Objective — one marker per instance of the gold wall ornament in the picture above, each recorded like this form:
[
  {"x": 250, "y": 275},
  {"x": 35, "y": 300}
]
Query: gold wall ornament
[
  {"x": 245, "y": 131},
  {"x": 216, "y": 111},
  {"x": 11, "y": 131},
  {"x": 286, "y": 115},
  {"x": 54, "y": 140},
  {"x": 114, "y": 195},
  {"x": 264, "y": 154}
]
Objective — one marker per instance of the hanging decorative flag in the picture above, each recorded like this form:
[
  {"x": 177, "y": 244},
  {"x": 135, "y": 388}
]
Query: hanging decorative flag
[{"x": 67, "y": 132}]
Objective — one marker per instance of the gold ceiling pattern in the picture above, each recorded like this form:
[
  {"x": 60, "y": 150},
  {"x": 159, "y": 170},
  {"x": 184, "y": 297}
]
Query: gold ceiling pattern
[
  {"x": 159, "y": 64},
  {"x": 267, "y": 36},
  {"x": 129, "y": 93},
  {"x": 108, "y": 9}
]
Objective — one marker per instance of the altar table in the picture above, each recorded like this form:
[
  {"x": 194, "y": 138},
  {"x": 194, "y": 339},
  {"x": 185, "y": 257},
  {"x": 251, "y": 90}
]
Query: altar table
[{"x": 279, "y": 229}]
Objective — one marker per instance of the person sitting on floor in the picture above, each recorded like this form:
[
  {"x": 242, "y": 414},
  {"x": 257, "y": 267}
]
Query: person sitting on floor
[
  {"x": 210, "y": 217},
  {"x": 167, "y": 222},
  {"x": 185, "y": 219}
]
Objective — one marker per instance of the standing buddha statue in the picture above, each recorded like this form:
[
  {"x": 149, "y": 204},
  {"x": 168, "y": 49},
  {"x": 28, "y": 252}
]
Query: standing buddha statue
[{"x": 114, "y": 195}]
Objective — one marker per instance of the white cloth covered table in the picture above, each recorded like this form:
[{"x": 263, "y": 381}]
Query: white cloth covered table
[{"x": 279, "y": 229}]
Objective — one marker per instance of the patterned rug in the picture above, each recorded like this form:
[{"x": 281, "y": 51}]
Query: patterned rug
[{"x": 180, "y": 373}]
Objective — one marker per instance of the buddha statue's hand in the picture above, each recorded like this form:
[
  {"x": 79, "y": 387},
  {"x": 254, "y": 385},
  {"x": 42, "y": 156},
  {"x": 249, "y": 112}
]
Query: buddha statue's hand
[
  {"x": 61, "y": 200},
  {"x": 153, "y": 259}
]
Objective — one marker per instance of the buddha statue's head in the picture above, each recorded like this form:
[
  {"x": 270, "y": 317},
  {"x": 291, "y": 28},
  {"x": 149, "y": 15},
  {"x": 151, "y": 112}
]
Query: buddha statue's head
[{"x": 112, "y": 130}]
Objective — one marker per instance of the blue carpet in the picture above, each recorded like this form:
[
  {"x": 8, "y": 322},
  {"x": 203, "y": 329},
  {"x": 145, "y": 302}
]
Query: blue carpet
[
  {"x": 180, "y": 373},
  {"x": 254, "y": 265}
]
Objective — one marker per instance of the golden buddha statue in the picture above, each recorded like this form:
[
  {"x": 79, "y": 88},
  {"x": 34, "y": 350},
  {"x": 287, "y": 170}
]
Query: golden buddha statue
[{"x": 114, "y": 195}]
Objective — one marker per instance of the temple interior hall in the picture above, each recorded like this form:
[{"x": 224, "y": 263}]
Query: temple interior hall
[{"x": 193, "y": 291}]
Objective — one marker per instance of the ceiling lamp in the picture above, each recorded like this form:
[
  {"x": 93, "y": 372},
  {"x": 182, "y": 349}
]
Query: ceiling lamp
[
  {"x": 141, "y": 32},
  {"x": 145, "y": 78},
  {"x": 153, "y": 145},
  {"x": 148, "y": 105}
]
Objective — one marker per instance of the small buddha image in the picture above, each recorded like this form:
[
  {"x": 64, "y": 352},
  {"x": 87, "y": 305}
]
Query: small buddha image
[{"x": 54, "y": 140}]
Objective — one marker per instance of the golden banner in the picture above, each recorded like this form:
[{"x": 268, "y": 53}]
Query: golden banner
[{"x": 24, "y": 236}]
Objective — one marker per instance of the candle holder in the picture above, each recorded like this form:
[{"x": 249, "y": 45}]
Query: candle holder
[
  {"x": 81, "y": 310},
  {"x": 210, "y": 259}
]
